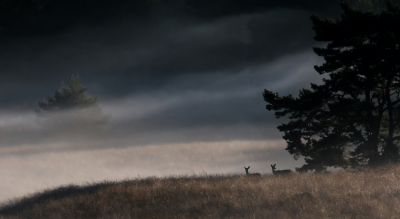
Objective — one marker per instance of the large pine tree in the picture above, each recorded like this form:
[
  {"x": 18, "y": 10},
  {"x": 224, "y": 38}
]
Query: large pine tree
[{"x": 353, "y": 118}]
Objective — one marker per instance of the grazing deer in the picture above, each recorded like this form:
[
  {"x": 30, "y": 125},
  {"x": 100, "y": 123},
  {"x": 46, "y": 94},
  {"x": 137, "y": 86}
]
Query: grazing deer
[
  {"x": 251, "y": 174},
  {"x": 280, "y": 172}
]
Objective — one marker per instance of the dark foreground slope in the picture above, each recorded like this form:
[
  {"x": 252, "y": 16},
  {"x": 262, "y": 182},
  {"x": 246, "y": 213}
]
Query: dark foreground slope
[{"x": 364, "y": 194}]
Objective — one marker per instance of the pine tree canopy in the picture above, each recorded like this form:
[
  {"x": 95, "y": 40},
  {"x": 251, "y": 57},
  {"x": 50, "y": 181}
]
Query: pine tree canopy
[
  {"x": 71, "y": 96},
  {"x": 353, "y": 118},
  {"x": 71, "y": 108}
]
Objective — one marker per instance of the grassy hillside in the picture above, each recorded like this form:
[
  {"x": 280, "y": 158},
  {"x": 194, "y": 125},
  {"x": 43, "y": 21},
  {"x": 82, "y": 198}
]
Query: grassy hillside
[{"x": 363, "y": 194}]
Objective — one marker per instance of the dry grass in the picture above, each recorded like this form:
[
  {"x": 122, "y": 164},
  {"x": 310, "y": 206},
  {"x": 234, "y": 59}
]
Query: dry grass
[{"x": 364, "y": 194}]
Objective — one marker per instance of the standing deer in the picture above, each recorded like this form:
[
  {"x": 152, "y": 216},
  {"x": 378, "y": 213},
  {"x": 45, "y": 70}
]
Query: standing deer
[
  {"x": 251, "y": 174},
  {"x": 280, "y": 172}
]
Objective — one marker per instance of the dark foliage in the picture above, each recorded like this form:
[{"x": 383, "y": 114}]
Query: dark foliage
[
  {"x": 352, "y": 119},
  {"x": 71, "y": 109},
  {"x": 69, "y": 97}
]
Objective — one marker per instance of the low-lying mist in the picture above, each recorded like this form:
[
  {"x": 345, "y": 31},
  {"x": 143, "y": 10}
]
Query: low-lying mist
[{"x": 25, "y": 171}]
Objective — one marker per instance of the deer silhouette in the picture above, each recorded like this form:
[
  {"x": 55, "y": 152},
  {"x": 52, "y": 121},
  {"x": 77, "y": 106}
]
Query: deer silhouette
[
  {"x": 251, "y": 174},
  {"x": 280, "y": 172}
]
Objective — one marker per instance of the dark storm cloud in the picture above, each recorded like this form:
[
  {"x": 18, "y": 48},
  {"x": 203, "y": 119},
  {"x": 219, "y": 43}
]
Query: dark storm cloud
[
  {"x": 166, "y": 78},
  {"x": 49, "y": 17},
  {"x": 230, "y": 42},
  {"x": 133, "y": 56},
  {"x": 220, "y": 99},
  {"x": 191, "y": 107}
]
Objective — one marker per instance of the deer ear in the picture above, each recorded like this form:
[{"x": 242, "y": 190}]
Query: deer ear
[{"x": 249, "y": 167}]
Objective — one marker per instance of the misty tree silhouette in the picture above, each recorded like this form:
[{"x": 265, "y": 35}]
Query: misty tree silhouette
[
  {"x": 71, "y": 109},
  {"x": 353, "y": 118}
]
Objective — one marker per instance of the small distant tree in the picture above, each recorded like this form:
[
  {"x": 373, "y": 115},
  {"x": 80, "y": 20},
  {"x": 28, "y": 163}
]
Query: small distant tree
[
  {"x": 71, "y": 108},
  {"x": 353, "y": 118}
]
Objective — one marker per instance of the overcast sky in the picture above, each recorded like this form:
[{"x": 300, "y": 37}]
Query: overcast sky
[{"x": 184, "y": 93}]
